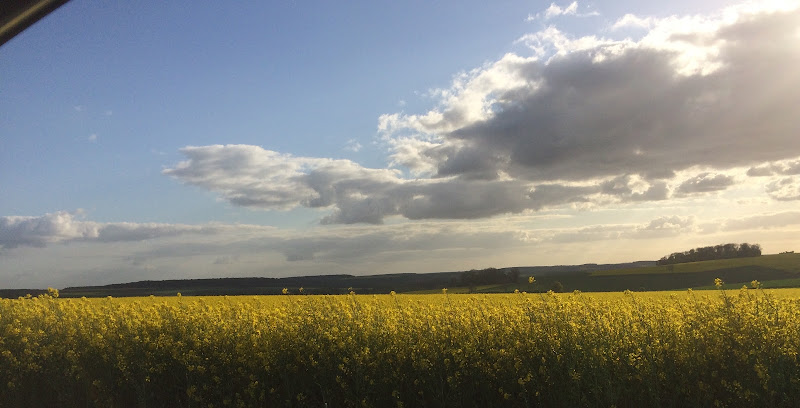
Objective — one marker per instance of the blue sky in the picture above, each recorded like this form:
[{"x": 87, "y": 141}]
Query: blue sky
[{"x": 194, "y": 139}]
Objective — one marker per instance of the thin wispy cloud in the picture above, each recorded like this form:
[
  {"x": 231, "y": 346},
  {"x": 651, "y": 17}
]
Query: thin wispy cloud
[
  {"x": 352, "y": 146},
  {"x": 633, "y": 21},
  {"x": 65, "y": 227},
  {"x": 555, "y": 11}
]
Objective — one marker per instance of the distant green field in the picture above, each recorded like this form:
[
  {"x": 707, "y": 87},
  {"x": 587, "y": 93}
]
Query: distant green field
[{"x": 782, "y": 262}]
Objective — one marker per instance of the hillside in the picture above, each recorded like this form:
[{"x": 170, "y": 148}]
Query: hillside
[
  {"x": 322, "y": 284},
  {"x": 781, "y": 270}
]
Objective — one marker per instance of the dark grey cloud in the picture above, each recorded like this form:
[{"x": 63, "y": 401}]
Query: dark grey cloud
[
  {"x": 705, "y": 183},
  {"x": 786, "y": 168},
  {"x": 760, "y": 171}
]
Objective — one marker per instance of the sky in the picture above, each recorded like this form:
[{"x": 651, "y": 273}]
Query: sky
[{"x": 171, "y": 140}]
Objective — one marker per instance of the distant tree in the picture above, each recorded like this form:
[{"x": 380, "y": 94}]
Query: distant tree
[
  {"x": 557, "y": 287},
  {"x": 722, "y": 251},
  {"x": 513, "y": 275}
]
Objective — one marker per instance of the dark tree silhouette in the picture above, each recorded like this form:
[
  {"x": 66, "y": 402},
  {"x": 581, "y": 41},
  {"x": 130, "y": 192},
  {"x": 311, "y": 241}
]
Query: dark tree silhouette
[
  {"x": 557, "y": 287},
  {"x": 709, "y": 253}
]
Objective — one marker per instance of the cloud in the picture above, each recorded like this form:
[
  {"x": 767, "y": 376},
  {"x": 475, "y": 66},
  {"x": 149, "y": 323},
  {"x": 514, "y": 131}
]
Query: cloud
[
  {"x": 763, "y": 221},
  {"x": 786, "y": 167},
  {"x": 175, "y": 251},
  {"x": 586, "y": 121},
  {"x": 226, "y": 260},
  {"x": 669, "y": 223},
  {"x": 352, "y": 245},
  {"x": 784, "y": 189},
  {"x": 705, "y": 183},
  {"x": 62, "y": 227},
  {"x": 555, "y": 10},
  {"x": 633, "y": 21},
  {"x": 92, "y": 138},
  {"x": 352, "y": 145},
  {"x": 251, "y": 176},
  {"x": 694, "y": 91}
]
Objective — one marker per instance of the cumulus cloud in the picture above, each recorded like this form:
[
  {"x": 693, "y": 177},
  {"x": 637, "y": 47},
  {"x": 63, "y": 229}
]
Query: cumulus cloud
[
  {"x": 254, "y": 177},
  {"x": 580, "y": 121},
  {"x": 63, "y": 227},
  {"x": 694, "y": 91}
]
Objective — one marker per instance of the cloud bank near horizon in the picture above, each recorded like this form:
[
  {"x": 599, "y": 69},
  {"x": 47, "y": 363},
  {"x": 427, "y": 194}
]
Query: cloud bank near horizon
[{"x": 135, "y": 251}]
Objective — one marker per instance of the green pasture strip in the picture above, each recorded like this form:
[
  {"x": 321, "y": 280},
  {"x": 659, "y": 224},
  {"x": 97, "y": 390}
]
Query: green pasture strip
[{"x": 785, "y": 262}]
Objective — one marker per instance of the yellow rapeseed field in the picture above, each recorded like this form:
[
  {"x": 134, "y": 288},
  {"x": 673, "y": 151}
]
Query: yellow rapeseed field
[{"x": 668, "y": 349}]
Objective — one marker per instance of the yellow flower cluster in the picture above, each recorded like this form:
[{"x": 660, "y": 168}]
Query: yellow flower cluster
[{"x": 702, "y": 348}]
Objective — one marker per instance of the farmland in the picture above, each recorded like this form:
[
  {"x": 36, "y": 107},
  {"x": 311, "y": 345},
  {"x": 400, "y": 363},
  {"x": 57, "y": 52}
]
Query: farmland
[{"x": 682, "y": 348}]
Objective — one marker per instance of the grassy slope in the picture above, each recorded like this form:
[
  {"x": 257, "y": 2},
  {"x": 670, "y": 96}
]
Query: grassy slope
[
  {"x": 774, "y": 271},
  {"x": 782, "y": 262}
]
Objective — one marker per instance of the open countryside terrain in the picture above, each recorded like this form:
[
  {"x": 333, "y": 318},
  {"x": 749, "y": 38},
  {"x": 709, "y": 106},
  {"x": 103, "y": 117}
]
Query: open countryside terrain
[
  {"x": 774, "y": 271},
  {"x": 778, "y": 270},
  {"x": 439, "y": 347}
]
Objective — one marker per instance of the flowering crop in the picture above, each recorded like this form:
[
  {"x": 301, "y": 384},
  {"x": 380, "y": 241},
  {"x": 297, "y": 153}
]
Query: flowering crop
[{"x": 664, "y": 349}]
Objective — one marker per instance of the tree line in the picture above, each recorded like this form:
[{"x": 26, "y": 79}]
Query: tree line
[{"x": 709, "y": 253}]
